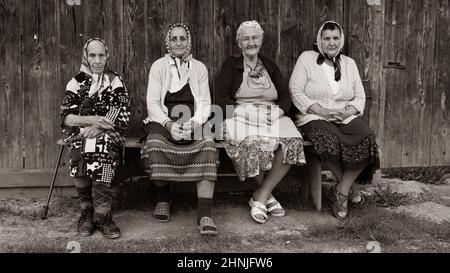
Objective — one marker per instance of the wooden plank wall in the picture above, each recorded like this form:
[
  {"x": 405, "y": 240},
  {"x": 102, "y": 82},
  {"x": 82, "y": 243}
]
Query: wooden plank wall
[{"x": 42, "y": 51}]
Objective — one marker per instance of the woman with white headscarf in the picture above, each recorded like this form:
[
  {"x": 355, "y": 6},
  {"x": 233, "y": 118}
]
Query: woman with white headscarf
[
  {"x": 95, "y": 116},
  {"x": 176, "y": 151},
  {"x": 327, "y": 89},
  {"x": 260, "y": 139}
]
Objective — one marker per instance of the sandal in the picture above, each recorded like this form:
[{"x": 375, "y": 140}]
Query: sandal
[
  {"x": 339, "y": 203},
  {"x": 356, "y": 196},
  {"x": 162, "y": 212},
  {"x": 274, "y": 207},
  {"x": 207, "y": 226},
  {"x": 258, "y": 209}
]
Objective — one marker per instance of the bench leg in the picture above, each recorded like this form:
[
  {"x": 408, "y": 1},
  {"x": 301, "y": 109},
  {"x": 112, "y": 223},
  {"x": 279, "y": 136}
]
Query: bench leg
[
  {"x": 305, "y": 184},
  {"x": 315, "y": 178}
]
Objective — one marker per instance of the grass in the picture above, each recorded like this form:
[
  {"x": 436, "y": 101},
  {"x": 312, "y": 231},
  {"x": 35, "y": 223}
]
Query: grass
[
  {"x": 427, "y": 175},
  {"x": 394, "y": 231}
]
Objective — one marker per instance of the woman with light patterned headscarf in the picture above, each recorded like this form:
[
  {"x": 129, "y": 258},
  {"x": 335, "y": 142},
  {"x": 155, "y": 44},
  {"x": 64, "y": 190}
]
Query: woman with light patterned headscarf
[
  {"x": 95, "y": 116},
  {"x": 175, "y": 150},
  {"x": 260, "y": 139},
  {"x": 327, "y": 89}
]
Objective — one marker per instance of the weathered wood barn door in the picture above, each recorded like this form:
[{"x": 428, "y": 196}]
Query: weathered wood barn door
[{"x": 401, "y": 48}]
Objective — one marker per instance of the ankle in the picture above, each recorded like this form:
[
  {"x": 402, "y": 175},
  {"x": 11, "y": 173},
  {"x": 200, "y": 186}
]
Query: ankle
[
  {"x": 162, "y": 193},
  {"x": 204, "y": 208}
]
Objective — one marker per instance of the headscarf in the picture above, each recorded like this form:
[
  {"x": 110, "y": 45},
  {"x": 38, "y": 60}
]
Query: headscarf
[
  {"x": 187, "y": 54},
  {"x": 334, "y": 59},
  {"x": 257, "y": 72},
  {"x": 98, "y": 81},
  {"x": 251, "y": 24}
]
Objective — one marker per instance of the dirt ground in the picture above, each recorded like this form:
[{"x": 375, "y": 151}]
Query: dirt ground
[{"x": 22, "y": 230}]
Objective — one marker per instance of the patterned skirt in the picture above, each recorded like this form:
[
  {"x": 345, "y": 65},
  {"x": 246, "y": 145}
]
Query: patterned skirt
[
  {"x": 255, "y": 154},
  {"x": 165, "y": 160},
  {"x": 95, "y": 158},
  {"x": 353, "y": 145}
]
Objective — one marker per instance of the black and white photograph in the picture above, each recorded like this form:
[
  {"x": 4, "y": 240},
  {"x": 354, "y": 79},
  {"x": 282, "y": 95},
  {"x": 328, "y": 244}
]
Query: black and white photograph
[{"x": 225, "y": 134}]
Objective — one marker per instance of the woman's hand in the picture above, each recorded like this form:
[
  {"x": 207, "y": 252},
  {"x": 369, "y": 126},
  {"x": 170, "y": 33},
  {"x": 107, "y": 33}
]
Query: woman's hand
[
  {"x": 91, "y": 132},
  {"x": 104, "y": 123},
  {"x": 330, "y": 115},
  {"x": 347, "y": 112},
  {"x": 275, "y": 114},
  {"x": 189, "y": 127},
  {"x": 175, "y": 130}
]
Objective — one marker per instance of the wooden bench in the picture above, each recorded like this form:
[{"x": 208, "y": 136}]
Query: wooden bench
[{"x": 309, "y": 175}]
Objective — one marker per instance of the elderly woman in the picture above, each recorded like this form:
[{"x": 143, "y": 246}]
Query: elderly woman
[
  {"x": 175, "y": 150},
  {"x": 327, "y": 90},
  {"x": 95, "y": 115},
  {"x": 260, "y": 140}
]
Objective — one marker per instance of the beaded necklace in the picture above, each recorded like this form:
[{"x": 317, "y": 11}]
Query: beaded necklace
[{"x": 256, "y": 72}]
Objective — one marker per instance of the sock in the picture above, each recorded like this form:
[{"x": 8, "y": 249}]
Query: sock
[
  {"x": 163, "y": 193},
  {"x": 85, "y": 195},
  {"x": 204, "y": 208}
]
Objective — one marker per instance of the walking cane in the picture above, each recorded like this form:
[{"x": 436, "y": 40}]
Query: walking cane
[{"x": 45, "y": 208}]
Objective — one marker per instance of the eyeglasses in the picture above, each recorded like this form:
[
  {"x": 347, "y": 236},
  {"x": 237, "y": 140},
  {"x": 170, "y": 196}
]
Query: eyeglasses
[{"x": 247, "y": 39}]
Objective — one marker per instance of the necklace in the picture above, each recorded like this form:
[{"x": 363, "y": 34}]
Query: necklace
[{"x": 256, "y": 72}]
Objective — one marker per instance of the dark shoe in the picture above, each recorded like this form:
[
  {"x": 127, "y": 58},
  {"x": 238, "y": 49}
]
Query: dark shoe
[
  {"x": 86, "y": 222},
  {"x": 106, "y": 225},
  {"x": 339, "y": 203}
]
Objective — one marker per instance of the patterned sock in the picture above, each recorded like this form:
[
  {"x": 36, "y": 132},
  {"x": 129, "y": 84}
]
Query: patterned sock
[
  {"x": 85, "y": 195},
  {"x": 102, "y": 197},
  {"x": 204, "y": 208}
]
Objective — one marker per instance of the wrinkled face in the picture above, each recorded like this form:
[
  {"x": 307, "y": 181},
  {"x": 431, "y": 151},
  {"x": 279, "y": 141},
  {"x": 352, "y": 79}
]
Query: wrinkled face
[
  {"x": 250, "y": 41},
  {"x": 331, "y": 42},
  {"x": 178, "y": 41},
  {"x": 97, "y": 58}
]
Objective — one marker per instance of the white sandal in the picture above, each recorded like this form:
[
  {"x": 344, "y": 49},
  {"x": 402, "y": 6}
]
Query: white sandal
[
  {"x": 274, "y": 207},
  {"x": 258, "y": 209}
]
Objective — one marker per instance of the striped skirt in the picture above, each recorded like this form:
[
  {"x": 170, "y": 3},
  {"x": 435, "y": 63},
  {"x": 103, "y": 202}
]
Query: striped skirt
[{"x": 168, "y": 161}]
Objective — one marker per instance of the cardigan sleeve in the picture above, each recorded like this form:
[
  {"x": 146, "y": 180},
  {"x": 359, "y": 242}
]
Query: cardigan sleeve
[
  {"x": 224, "y": 84},
  {"x": 119, "y": 111},
  {"x": 154, "y": 91},
  {"x": 359, "y": 99},
  {"x": 282, "y": 88},
  {"x": 204, "y": 102},
  {"x": 297, "y": 85}
]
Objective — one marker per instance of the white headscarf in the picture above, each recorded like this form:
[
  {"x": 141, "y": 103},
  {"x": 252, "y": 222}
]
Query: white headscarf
[
  {"x": 319, "y": 38},
  {"x": 334, "y": 59}
]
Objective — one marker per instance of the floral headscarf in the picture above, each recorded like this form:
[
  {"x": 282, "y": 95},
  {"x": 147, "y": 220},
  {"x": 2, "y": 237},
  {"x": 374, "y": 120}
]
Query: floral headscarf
[
  {"x": 187, "y": 54},
  {"x": 85, "y": 67},
  {"x": 99, "y": 82},
  {"x": 334, "y": 59},
  {"x": 251, "y": 24}
]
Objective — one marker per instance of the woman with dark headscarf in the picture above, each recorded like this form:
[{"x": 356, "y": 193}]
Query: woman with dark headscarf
[
  {"x": 95, "y": 115},
  {"x": 260, "y": 139},
  {"x": 176, "y": 149},
  {"x": 327, "y": 89}
]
